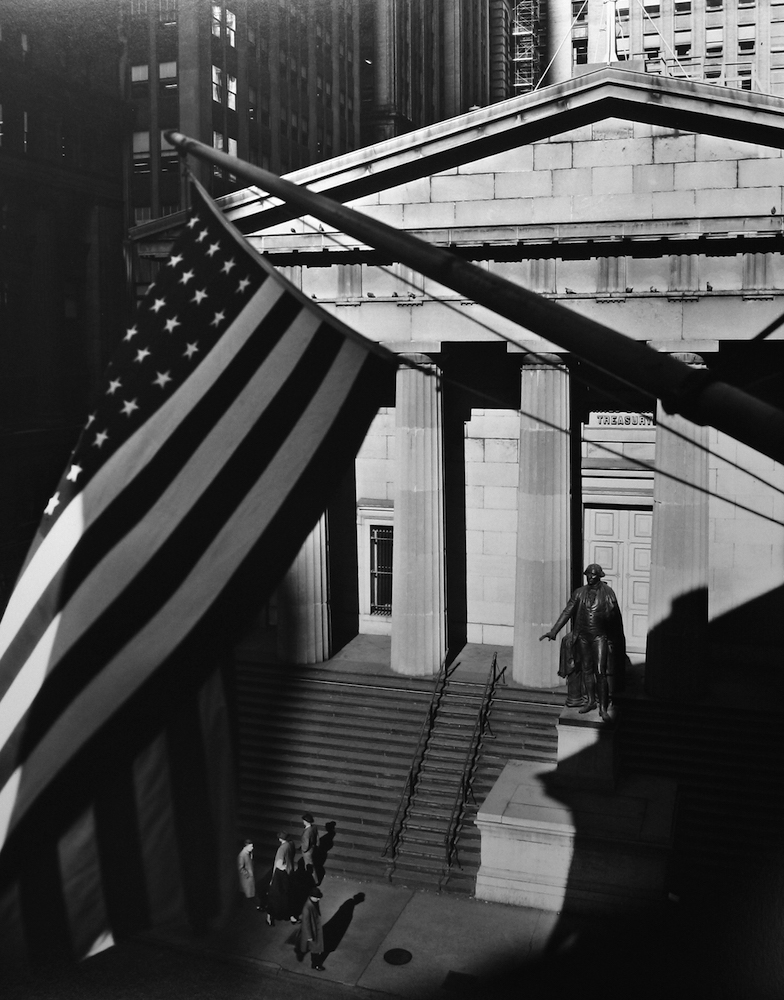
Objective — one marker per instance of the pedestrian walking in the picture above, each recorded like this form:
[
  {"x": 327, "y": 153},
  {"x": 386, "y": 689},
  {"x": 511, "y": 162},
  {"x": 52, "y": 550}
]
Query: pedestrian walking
[
  {"x": 311, "y": 936},
  {"x": 279, "y": 898},
  {"x": 309, "y": 843},
  {"x": 245, "y": 869}
]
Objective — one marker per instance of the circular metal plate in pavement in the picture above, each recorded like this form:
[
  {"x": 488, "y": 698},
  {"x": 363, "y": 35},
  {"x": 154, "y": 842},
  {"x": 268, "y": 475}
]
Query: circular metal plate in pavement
[{"x": 397, "y": 956}]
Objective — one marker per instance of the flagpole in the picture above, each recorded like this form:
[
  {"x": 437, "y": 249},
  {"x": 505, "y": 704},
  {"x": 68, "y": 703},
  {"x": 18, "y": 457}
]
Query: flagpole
[{"x": 693, "y": 393}]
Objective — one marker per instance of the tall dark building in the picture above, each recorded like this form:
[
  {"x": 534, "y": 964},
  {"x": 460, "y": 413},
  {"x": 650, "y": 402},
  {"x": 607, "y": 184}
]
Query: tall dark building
[
  {"x": 275, "y": 83},
  {"x": 62, "y": 280},
  {"x": 427, "y": 61}
]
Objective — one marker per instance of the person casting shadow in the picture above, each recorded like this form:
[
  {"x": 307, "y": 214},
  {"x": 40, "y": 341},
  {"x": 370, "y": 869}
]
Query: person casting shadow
[{"x": 338, "y": 923}]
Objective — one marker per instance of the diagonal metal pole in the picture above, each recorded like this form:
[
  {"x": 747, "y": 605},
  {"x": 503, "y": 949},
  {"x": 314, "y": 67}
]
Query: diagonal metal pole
[{"x": 694, "y": 394}]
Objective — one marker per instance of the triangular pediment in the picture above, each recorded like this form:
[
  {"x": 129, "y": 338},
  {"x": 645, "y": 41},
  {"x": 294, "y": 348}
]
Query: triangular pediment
[{"x": 608, "y": 92}]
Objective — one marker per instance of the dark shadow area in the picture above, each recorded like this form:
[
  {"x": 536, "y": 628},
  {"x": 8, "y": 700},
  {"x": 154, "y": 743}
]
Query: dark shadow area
[
  {"x": 748, "y": 640},
  {"x": 339, "y": 922},
  {"x": 456, "y": 411},
  {"x": 325, "y": 844},
  {"x": 343, "y": 561}
]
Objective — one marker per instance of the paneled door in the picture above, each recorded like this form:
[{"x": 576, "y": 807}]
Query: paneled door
[{"x": 619, "y": 539}]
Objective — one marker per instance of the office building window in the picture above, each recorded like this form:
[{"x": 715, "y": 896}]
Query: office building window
[
  {"x": 138, "y": 8},
  {"x": 746, "y": 38},
  {"x": 217, "y": 140},
  {"x": 141, "y": 152},
  {"x": 217, "y": 84},
  {"x": 682, "y": 44},
  {"x": 167, "y": 11},
  {"x": 580, "y": 51},
  {"x": 140, "y": 74},
  {"x": 231, "y": 91},
  {"x": 1, "y": 125},
  {"x": 231, "y": 28},
  {"x": 217, "y": 19},
  {"x": 714, "y": 41}
]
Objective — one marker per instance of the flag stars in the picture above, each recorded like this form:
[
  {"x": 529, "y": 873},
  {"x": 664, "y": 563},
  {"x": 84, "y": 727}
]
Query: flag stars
[
  {"x": 141, "y": 355},
  {"x": 53, "y": 503},
  {"x": 186, "y": 277},
  {"x": 171, "y": 324},
  {"x": 193, "y": 221},
  {"x": 174, "y": 260},
  {"x": 100, "y": 439},
  {"x": 114, "y": 385},
  {"x": 157, "y": 305},
  {"x": 190, "y": 350},
  {"x": 219, "y": 317},
  {"x": 161, "y": 378},
  {"x": 129, "y": 405},
  {"x": 90, "y": 420},
  {"x": 201, "y": 294},
  {"x": 202, "y": 235},
  {"x": 130, "y": 333},
  {"x": 230, "y": 263},
  {"x": 212, "y": 249},
  {"x": 243, "y": 285},
  {"x": 73, "y": 473}
]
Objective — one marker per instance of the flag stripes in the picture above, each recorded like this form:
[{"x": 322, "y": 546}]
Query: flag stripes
[{"x": 112, "y": 723}]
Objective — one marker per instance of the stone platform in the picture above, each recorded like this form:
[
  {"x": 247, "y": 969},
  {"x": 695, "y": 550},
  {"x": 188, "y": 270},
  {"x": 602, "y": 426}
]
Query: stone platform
[{"x": 574, "y": 837}]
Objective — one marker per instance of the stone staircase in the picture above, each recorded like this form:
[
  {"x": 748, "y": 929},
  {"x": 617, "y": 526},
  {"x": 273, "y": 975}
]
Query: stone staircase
[
  {"x": 729, "y": 765},
  {"x": 340, "y": 744},
  {"x": 520, "y": 727}
]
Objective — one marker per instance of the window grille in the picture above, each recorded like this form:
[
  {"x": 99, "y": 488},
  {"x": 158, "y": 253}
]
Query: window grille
[{"x": 380, "y": 569}]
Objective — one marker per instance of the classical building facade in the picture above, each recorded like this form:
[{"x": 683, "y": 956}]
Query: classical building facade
[{"x": 649, "y": 204}]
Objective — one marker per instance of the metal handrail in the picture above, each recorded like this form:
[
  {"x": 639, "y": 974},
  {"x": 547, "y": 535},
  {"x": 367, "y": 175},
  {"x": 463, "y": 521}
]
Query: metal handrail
[
  {"x": 395, "y": 830},
  {"x": 466, "y": 778}
]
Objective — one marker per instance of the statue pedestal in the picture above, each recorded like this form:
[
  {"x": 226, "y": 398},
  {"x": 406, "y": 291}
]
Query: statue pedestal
[
  {"x": 574, "y": 837},
  {"x": 586, "y": 750}
]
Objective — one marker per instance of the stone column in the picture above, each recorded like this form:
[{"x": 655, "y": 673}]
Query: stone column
[
  {"x": 304, "y": 619},
  {"x": 418, "y": 576},
  {"x": 559, "y": 44},
  {"x": 543, "y": 573},
  {"x": 678, "y": 602}
]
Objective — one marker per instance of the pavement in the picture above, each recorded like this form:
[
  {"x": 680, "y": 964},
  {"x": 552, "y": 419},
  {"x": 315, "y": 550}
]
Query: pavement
[{"x": 448, "y": 942}]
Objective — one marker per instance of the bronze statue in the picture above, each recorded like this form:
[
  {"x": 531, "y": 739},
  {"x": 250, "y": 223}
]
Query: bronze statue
[{"x": 599, "y": 643}]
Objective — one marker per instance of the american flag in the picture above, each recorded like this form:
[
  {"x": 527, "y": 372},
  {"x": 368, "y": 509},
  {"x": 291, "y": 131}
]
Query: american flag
[{"x": 232, "y": 409}]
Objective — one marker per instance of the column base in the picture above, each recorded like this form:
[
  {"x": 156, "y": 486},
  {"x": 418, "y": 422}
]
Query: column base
[{"x": 552, "y": 845}]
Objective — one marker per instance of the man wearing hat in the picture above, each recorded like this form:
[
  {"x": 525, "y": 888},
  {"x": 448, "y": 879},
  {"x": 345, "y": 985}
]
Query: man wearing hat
[
  {"x": 598, "y": 631},
  {"x": 311, "y": 936}
]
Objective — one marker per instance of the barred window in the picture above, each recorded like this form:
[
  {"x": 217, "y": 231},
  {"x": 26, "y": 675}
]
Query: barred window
[{"x": 380, "y": 569}]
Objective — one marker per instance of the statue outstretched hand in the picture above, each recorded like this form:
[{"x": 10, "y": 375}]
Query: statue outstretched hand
[{"x": 547, "y": 635}]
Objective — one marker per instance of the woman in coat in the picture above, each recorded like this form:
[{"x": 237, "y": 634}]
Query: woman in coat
[
  {"x": 311, "y": 935},
  {"x": 279, "y": 902}
]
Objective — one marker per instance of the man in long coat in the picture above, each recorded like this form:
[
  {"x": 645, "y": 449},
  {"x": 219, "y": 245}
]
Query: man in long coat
[
  {"x": 311, "y": 936},
  {"x": 598, "y": 631},
  {"x": 245, "y": 870}
]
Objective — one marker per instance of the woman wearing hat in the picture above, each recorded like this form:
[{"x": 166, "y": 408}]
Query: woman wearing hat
[
  {"x": 279, "y": 897},
  {"x": 598, "y": 631}
]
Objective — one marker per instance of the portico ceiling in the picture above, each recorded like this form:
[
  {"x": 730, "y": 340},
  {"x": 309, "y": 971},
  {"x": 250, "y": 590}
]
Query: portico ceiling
[{"x": 606, "y": 92}]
